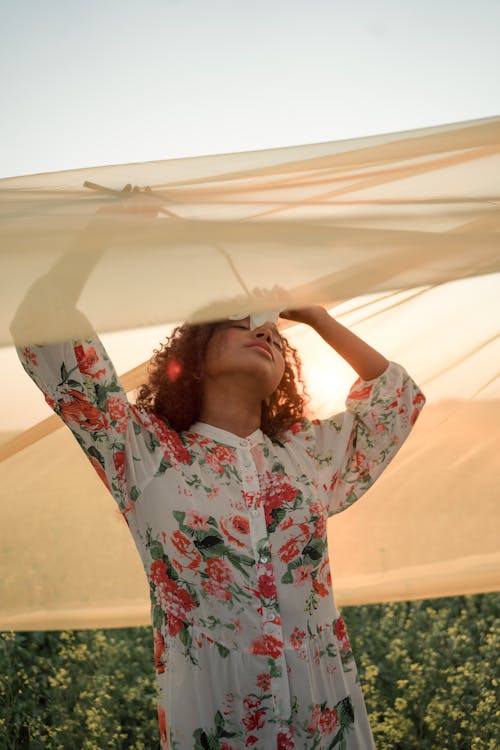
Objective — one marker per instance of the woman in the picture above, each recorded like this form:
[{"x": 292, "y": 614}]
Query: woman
[{"x": 227, "y": 487}]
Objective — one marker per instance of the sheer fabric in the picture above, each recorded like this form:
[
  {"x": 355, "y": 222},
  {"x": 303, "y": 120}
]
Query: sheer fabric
[{"x": 409, "y": 218}]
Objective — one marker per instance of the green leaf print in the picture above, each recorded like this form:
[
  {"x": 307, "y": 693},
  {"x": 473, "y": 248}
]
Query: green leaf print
[
  {"x": 179, "y": 516},
  {"x": 158, "y": 617},
  {"x": 209, "y": 543},
  {"x": 134, "y": 493},
  {"x": 64, "y": 373},
  {"x": 223, "y": 650},
  {"x": 314, "y": 549},
  {"x": 73, "y": 383},
  {"x": 137, "y": 428},
  {"x": 239, "y": 560},
  {"x": 102, "y": 395},
  {"x": 156, "y": 550},
  {"x": 219, "y": 722},
  {"x": 92, "y": 451},
  {"x": 287, "y": 577},
  {"x": 164, "y": 465},
  {"x": 152, "y": 442}
]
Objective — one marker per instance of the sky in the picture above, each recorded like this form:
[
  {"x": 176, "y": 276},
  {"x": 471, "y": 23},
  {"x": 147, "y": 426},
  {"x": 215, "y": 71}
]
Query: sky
[{"x": 108, "y": 82}]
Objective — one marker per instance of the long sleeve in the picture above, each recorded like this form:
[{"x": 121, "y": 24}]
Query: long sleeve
[
  {"x": 80, "y": 384},
  {"x": 352, "y": 449},
  {"x": 126, "y": 447}
]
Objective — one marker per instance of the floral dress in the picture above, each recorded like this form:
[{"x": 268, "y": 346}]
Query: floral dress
[{"x": 249, "y": 648}]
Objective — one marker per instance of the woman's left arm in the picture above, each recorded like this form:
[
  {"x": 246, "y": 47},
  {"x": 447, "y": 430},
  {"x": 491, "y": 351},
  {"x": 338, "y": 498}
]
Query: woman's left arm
[
  {"x": 351, "y": 450},
  {"x": 365, "y": 360}
]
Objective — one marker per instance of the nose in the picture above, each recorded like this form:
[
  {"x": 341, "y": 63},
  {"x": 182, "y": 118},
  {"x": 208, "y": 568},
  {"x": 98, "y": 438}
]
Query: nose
[{"x": 264, "y": 332}]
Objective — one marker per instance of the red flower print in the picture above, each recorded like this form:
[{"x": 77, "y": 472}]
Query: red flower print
[
  {"x": 419, "y": 399},
  {"x": 81, "y": 411},
  {"x": 117, "y": 412},
  {"x": 176, "y": 602},
  {"x": 31, "y": 356},
  {"x": 414, "y": 416},
  {"x": 249, "y": 498},
  {"x": 158, "y": 572},
  {"x": 251, "y": 702},
  {"x": 341, "y": 633},
  {"x": 267, "y": 584},
  {"x": 264, "y": 681},
  {"x": 225, "y": 522},
  {"x": 254, "y": 721},
  {"x": 359, "y": 459},
  {"x": 219, "y": 570},
  {"x": 116, "y": 408},
  {"x": 360, "y": 393},
  {"x": 162, "y": 721},
  {"x": 159, "y": 648},
  {"x": 297, "y": 637},
  {"x": 267, "y": 645},
  {"x": 178, "y": 452},
  {"x": 320, "y": 526},
  {"x": 172, "y": 444},
  {"x": 214, "y": 462},
  {"x": 295, "y": 428},
  {"x": 286, "y": 523},
  {"x": 285, "y": 742},
  {"x": 87, "y": 360},
  {"x": 119, "y": 462},
  {"x": 224, "y": 454},
  {"x": 50, "y": 401},
  {"x": 240, "y": 523},
  {"x": 320, "y": 588},
  {"x": 289, "y": 550},
  {"x": 196, "y": 521},
  {"x": 328, "y": 721},
  {"x": 251, "y": 740},
  {"x": 380, "y": 427},
  {"x": 277, "y": 494},
  {"x": 216, "y": 589},
  {"x": 180, "y": 542},
  {"x": 302, "y": 574},
  {"x": 314, "y": 720}
]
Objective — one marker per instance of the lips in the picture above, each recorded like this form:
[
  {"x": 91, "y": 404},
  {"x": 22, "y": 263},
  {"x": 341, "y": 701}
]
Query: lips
[{"x": 262, "y": 345}]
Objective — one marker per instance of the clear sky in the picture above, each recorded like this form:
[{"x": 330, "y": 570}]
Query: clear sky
[
  {"x": 113, "y": 81},
  {"x": 108, "y": 81}
]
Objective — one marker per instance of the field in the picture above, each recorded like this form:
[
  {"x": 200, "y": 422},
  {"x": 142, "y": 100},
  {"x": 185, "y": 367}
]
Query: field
[{"x": 429, "y": 670}]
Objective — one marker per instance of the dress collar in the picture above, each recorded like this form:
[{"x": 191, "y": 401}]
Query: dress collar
[{"x": 228, "y": 438}]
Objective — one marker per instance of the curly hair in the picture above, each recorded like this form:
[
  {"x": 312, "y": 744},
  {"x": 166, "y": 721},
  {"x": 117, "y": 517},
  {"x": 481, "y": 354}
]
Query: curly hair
[{"x": 173, "y": 390}]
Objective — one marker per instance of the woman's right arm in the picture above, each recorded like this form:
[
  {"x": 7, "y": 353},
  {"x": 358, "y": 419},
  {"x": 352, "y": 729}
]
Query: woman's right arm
[{"x": 80, "y": 383}]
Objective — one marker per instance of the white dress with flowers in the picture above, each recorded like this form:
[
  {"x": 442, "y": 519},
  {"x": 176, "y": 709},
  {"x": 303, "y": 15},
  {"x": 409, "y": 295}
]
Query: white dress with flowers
[{"x": 249, "y": 648}]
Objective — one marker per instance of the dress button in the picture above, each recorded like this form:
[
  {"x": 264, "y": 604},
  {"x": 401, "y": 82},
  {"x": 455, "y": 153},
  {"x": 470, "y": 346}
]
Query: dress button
[{"x": 264, "y": 559}]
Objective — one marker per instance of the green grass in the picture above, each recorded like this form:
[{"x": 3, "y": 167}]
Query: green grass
[{"x": 429, "y": 670}]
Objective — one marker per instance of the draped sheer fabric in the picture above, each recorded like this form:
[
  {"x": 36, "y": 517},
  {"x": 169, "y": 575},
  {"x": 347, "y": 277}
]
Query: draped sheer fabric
[{"x": 398, "y": 234}]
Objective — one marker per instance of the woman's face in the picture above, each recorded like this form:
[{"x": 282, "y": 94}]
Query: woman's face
[{"x": 234, "y": 349}]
